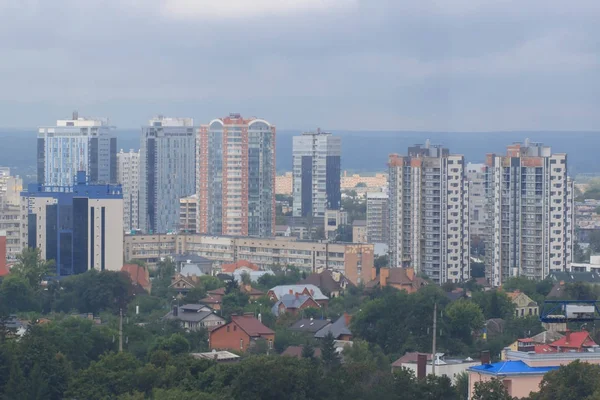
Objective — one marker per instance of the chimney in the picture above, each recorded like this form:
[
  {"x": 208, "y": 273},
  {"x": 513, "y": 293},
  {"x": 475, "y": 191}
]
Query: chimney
[
  {"x": 568, "y": 336},
  {"x": 175, "y": 311},
  {"x": 373, "y": 273},
  {"x": 291, "y": 291},
  {"x": 410, "y": 273},
  {"x": 421, "y": 366},
  {"x": 260, "y": 317},
  {"x": 347, "y": 318},
  {"x": 485, "y": 357}
]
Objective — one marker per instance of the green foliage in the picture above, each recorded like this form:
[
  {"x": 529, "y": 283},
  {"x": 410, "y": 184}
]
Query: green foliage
[
  {"x": 329, "y": 355},
  {"x": 31, "y": 267},
  {"x": 354, "y": 206},
  {"x": 289, "y": 276},
  {"x": 464, "y": 318},
  {"x": 381, "y": 262},
  {"x": 490, "y": 390},
  {"x": 195, "y": 295},
  {"x": 17, "y": 295},
  {"x": 494, "y": 304},
  {"x": 344, "y": 233},
  {"x": 477, "y": 270},
  {"x": 93, "y": 292},
  {"x": 574, "y": 381},
  {"x": 175, "y": 344},
  {"x": 462, "y": 385}
]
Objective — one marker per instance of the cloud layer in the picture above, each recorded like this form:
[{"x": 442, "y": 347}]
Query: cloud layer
[{"x": 338, "y": 64}]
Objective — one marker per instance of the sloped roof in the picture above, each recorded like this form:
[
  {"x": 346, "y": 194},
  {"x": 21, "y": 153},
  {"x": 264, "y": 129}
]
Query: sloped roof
[
  {"x": 510, "y": 368},
  {"x": 282, "y": 290},
  {"x": 230, "y": 268},
  {"x": 309, "y": 325},
  {"x": 138, "y": 275},
  {"x": 400, "y": 277},
  {"x": 572, "y": 277},
  {"x": 546, "y": 337},
  {"x": 574, "y": 340},
  {"x": 189, "y": 316},
  {"x": 191, "y": 270},
  {"x": 409, "y": 357},
  {"x": 324, "y": 281},
  {"x": 251, "y": 325},
  {"x": 337, "y": 329},
  {"x": 290, "y": 301}
]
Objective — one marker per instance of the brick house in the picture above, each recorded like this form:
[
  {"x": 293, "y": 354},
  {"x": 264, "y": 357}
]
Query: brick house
[
  {"x": 276, "y": 293},
  {"x": 399, "y": 278},
  {"x": 240, "y": 334},
  {"x": 293, "y": 303}
]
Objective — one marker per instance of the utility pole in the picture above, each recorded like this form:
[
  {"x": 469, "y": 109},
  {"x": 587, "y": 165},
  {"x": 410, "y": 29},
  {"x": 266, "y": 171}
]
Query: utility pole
[
  {"x": 434, "y": 337},
  {"x": 120, "y": 329}
]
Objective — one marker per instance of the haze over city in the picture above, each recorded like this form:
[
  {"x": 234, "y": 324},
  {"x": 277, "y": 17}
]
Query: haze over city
[{"x": 299, "y": 199}]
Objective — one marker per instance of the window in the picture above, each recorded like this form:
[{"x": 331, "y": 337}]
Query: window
[
  {"x": 242, "y": 344},
  {"x": 228, "y": 329}
]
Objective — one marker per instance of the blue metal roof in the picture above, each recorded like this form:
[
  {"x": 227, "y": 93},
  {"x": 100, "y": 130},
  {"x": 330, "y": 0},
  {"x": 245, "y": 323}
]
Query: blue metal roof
[{"x": 510, "y": 368}]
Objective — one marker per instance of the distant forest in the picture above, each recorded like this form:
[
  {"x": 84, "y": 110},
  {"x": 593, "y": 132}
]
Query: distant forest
[{"x": 362, "y": 151}]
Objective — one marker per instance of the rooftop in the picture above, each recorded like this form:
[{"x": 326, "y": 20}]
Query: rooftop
[
  {"x": 510, "y": 367},
  {"x": 251, "y": 325},
  {"x": 217, "y": 355},
  {"x": 309, "y": 325},
  {"x": 282, "y": 290},
  {"x": 337, "y": 329}
]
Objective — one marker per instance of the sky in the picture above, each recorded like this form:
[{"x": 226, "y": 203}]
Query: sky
[{"x": 430, "y": 65}]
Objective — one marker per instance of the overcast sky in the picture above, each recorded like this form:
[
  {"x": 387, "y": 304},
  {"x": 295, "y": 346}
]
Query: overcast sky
[{"x": 445, "y": 65}]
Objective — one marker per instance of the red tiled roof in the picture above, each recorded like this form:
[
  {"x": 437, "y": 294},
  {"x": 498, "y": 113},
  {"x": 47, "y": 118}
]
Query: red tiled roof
[
  {"x": 574, "y": 340},
  {"x": 544, "y": 348},
  {"x": 230, "y": 268},
  {"x": 138, "y": 275},
  {"x": 251, "y": 325},
  {"x": 217, "y": 292}
]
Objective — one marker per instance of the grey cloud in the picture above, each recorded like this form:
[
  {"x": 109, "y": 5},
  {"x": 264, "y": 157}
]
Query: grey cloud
[{"x": 378, "y": 64}]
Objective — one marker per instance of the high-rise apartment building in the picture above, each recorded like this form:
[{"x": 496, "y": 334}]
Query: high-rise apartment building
[
  {"x": 477, "y": 200},
  {"x": 13, "y": 216},
  {"x": 236, "y": 177},
  {"x": 429, "y": 213},
  {"x": 316, "y": 173},
  {"x": 188, "y": 214},
  {"x": 378, "y": 217},
  {"x": 80, "y": 226},
  {"x": 167, "y": 172},
  {"x": 77, "y": 144},
  {"x": 128, "y": 176},
  {"x": 530, "y": 213}
]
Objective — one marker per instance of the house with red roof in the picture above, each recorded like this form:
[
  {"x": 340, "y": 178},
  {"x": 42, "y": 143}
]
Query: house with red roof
[
  {"x": 139, "y": 276},
  {"x": 240, "y": 334},
  {"x": 243, "y": 264},
  {"x": 574, "y": 341}
]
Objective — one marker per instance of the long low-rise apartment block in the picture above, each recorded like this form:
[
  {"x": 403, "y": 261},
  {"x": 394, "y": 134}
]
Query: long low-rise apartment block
[{"x": 355, "y": 261}]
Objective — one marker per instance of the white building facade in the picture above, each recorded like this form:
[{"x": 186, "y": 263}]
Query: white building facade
[
  {"x": 316, "y": 173},
  {"x": 77, "y": 144},
  {"x": 531, "y": 213},
  {"x": 128, "y": 175},
  {"x": 429, "y": 213}
]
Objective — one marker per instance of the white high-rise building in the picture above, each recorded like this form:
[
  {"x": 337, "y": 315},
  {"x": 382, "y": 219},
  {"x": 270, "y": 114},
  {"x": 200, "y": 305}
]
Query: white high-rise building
[
  {"x": 378, "y": 217},
  {"x": 128, "y": 175},
  {"x": 530, "y": 213},
  {"x": 167, "y": 172},
  {"x": 77, "y": 144},
  {"x": 477, "y": 201},
  {"x": 316, "y": 174},
  {"x": 429, "y": 213}
]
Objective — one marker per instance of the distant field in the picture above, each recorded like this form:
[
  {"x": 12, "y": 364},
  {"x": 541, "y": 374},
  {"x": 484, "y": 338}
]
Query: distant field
[{"x": 362, "y": 151}]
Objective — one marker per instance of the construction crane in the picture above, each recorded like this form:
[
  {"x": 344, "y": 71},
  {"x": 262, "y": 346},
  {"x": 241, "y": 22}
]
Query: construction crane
[{"x": 563, "y": 311}]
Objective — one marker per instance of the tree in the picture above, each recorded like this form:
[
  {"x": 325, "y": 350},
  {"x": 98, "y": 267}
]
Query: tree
[
  {"x": 17, "y": 295},
  {"x": 329, "y": 355},
  {"x": 30, "y": 266},
  {"x": 461, "y": 385},
  {"x": 381, "y": 262},
  {"x": 308, "y": 350},
  {"x": 464, "y": 317},
  {"x": 494, "y": 304},
  {"x": 15, "y": 388},
  {"x": 490, "y": 390},
  {"x": 574, "y": 381}
]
